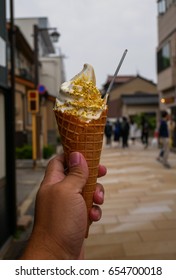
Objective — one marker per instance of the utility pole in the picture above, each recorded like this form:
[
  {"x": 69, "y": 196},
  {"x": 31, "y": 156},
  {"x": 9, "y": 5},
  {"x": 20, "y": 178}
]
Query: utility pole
[
  {"x": 10, "y": 114},
  {"x": 33, "y": 108}
]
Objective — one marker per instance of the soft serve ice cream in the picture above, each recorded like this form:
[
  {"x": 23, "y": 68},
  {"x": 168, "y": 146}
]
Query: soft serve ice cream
[
  {"x": 80, "y": 96},
  {"x": 80, "y": 113}
]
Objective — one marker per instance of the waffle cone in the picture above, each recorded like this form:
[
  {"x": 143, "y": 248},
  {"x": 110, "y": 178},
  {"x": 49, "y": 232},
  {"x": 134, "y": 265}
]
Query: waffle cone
[{"x": 86, "y": 138}]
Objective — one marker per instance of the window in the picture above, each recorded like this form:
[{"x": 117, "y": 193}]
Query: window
[
  {"x": 163, "y": 58},
  {"x": 161, "y": 6}
]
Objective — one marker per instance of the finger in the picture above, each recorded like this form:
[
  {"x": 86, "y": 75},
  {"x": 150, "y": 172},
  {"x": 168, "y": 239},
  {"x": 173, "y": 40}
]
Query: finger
[
  {"x": 98, "y": 196},
  {"x": 55, "y": 171},
  {"x": 101, "y": 170},
  {"x": 78, "y": 172},
  {"x": 95, "y": 213}
]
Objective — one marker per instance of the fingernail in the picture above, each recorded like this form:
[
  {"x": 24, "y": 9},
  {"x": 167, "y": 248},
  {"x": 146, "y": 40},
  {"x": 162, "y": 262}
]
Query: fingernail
[{"x": 75, "y": 159}]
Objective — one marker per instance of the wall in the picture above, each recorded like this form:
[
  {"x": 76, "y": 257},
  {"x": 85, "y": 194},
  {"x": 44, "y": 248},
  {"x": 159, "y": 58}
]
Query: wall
[
  {"x": 135, "y": 110},
  {"x": 51, "y": 76},
  {"x": 2, "y": 137},
  {"x": 134, "y": 85},
  {"x": 51, "y": 73},
  {"x": 166, "y": 23},
  {"x": 26, "y": 26}
]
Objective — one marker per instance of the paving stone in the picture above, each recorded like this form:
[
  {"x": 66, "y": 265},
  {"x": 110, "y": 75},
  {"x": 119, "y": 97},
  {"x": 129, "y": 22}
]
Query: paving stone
[
  {"x": 139, "y": 212},
  {"x": 24, "y": 222},
  {"x": 167, "y": 234},
  {"x": 150, "y": 248}
]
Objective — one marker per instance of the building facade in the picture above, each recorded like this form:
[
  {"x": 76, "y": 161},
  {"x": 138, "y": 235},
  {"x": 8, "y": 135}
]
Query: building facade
[
  {"x": 132, "y": 95},
  {"x": 7, "y": 170},
  {"x": 166, "y": 53},
  {"x": 50, "y": 74},
  {"x": 45, "y": 45},
  {"x": 166, "y": 57},
  {"x": 24, "y": 81}
]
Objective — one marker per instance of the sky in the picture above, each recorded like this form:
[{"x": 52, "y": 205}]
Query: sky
[{"x": 98, "y": 31}]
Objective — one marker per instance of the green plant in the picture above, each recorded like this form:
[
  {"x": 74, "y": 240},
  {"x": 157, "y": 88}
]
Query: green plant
[
  {"x": 150, "y": 119},
  {"x": 24, "y": 152},
  {"x": 58, "y": 139},
  {"x": 137, "y": 119},
  {"x": 48, "y": 151}
]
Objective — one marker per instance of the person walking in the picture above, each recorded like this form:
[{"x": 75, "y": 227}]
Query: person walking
[
  {"x": 117, "y": 131},
  {"x": 145, "y": 132},
  {"x": 164, "y": 140},
  {"x": 133, "y": 130},
  {"x": 108, "y": 133},
  {"x": 125, "y": 132}
]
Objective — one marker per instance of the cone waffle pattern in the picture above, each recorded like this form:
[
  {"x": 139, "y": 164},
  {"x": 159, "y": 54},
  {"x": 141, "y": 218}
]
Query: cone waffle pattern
[{"x": 86, "y": 138}]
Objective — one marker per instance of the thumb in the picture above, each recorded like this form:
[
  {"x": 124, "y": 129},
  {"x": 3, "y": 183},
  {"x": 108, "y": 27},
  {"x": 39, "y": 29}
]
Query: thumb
[{"x": 78, "y": 172}]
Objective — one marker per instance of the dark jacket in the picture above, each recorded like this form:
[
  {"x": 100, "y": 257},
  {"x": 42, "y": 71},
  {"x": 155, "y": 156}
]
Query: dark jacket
[
  {"x": 163, "y": 129},
  {"x": 108, "y": 129}
]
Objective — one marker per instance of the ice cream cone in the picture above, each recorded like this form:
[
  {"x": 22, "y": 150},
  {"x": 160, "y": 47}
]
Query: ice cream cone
[{"x": 86, "y": 138}]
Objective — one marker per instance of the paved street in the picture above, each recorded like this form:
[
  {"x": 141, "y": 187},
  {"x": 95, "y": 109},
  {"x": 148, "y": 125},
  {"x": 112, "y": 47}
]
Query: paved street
[
  {"x": 28, "y": 180},
  {"x": 139, "y": 213}
]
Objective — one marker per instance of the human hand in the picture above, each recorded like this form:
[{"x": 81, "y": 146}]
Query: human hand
[{"x": 61, "y": 214}]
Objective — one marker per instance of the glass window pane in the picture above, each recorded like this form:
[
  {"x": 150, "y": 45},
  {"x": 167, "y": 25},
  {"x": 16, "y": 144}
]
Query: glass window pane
[
  {"x": 161, "y": 6},
  {"x": 163, "y": 58}
]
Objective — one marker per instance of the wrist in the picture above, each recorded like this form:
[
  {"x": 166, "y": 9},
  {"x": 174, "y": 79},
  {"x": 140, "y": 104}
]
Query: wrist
[{"x": 42, "y": 247}]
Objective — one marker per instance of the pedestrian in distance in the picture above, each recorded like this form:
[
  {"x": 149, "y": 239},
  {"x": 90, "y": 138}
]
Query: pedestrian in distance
[
  {"x": 108, "y": 133},
  {"x": 171, "y": 127},
  {"x": 164, "y": 140},
  {"x": 133, "y": 130},
  {"x": 125, "y": 132},
  {"x": 117, "y": 131},
  {"x": 60, "y": 214},
  {"x": 145, "y": 131}
]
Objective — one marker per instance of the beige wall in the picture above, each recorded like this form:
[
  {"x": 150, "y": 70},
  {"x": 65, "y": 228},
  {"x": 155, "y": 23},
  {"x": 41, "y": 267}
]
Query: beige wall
[
  {"x": 135, "y": 110},
  {"x": 117, "y": 109},
  {"x": 48, "y": 120},
  {"x": 133, "y": 86},
  {"x": 50, "y": 114},
  {"x": 166, "y": 23},
  {"x": 51, "y": 74},
  {"x": 165, "y": 79},
  {"x": 26, "y": 26},
  {"x": 20, "y": 92}
]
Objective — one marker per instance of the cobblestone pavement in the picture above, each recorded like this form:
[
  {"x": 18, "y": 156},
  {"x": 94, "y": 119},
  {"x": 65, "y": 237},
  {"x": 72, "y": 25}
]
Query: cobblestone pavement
[{"x": 139, "y": 212}]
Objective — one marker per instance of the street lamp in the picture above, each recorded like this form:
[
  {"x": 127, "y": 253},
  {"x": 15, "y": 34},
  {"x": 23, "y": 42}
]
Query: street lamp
[{"x": 55, "y": 36}]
